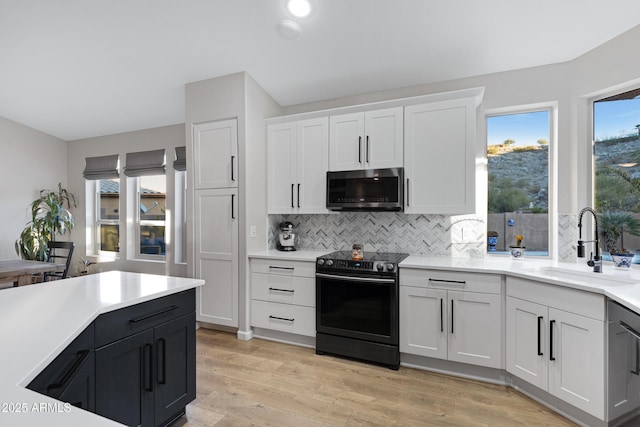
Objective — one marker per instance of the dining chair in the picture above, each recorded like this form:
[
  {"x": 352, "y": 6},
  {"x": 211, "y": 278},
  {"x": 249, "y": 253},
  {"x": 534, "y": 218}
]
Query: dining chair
[{"x": 59, "y": 251}]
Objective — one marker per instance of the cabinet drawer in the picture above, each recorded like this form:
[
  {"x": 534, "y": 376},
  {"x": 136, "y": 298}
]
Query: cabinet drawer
[
  {"x": 284, "y": 289},
  {"x": 60, "y": 373},
  {"x": 127, "y": 321},
  {"x": 440, "y": 279},
  {"x": 284, "y": 317},
  {"x": 575, "y": 301},
  {"x": 284, "y": 267}
]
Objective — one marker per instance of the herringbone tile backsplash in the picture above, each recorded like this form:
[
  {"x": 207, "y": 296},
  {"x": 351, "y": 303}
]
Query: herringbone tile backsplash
[{"x": 433, "y": 235}]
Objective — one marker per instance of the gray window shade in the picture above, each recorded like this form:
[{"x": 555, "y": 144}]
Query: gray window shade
[
  {"x": 103, "y": 167},
  {"x": 145, "y": 163},
  {"x": 180, "y": 163}
]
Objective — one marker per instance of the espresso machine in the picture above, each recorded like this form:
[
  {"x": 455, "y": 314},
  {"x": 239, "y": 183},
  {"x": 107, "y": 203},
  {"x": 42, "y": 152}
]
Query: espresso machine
[{"x": 286, "y": 237}]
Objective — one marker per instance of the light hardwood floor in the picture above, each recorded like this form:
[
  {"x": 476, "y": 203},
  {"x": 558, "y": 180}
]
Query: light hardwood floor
[{"x": 263, "y": 383}]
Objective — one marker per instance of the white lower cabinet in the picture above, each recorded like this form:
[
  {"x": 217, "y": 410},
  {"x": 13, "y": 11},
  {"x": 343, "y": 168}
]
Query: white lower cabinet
[
  {"x": 283, "y": 296},
  {"x": 556, "y": 341},
  {"x": 452, "y": 316}
]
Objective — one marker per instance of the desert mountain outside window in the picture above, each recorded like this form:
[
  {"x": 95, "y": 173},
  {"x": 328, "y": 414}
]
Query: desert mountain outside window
[
  {"x": 518, "y": 188},
  {"x": 147, "y": 169},
  {"x": 616, "y": 162},
  {"x": 103, "y": 204}
]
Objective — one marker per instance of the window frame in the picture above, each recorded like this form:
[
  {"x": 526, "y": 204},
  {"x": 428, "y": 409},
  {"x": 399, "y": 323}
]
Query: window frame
[
  {"x": 138, "y": 222},
  {"x": 552, "y": 108}
]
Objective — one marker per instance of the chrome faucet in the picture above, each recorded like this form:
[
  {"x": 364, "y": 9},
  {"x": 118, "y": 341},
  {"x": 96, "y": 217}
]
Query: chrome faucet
[{"x": 594, "y": 261}]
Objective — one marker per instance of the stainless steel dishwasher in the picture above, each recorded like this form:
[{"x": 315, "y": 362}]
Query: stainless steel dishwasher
[{"x": 624, "y": 360}]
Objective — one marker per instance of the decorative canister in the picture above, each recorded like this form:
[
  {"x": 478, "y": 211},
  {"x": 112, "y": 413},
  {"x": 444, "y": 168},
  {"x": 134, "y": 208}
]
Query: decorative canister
[
  {"x": 517, "y": 252},
  {"x": 357, "y": 252}
]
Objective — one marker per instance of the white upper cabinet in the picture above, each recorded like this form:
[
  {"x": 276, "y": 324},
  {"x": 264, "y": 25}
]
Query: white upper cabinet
[
  {"x": 297, "y": 166},
  {"x": 215, "y": 154},
  {"x": 366, "y": 140},
  {"x": 439, "y": 157}
]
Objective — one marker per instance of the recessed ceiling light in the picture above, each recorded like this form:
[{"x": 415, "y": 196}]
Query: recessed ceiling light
[
  {"x": 299, "y": 8},
  {"x": 289, "y": 30}
]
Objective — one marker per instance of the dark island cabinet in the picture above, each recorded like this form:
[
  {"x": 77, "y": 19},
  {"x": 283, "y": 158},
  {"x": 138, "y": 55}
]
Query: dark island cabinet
[
  {"x": 145, "y": 361},
  {"x": 70, "y": 377}
]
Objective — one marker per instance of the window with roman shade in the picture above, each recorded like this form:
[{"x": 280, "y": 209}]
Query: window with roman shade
[
  {"x": 144, "y": 163},
  {"x": 180, "y": 163},
  {"x": 102, "y": 167}
]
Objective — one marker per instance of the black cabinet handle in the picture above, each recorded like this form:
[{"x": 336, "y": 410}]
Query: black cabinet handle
[
  {"x": 281, "y": 318},
  {"x": 551, "y": 356},
  {"x": 359, "y": 149},
  {"x": 292, "y": 185},
  {"x": 452, "y": 316},
  {"x": 147, "y": 367},
  {"x": 154, "y": 314},
  {"x": 233, "y": 212},
  {"x": 281, "y": 268},
  {"x": 68, "y": 373},
  {"x": 282, "y": 290},
  {"x": 298, "y": 195},
  {"x": 539, "y": 336},
  {"x": 161, "y": 357},
  {"x": 233, "y": 158},
  {"x": 441, "y": 316},
  {"x": 367, "y": 152}
]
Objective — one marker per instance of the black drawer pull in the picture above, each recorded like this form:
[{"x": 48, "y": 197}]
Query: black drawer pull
[
  {"x": 154, "y": 314},
  {"x": 281, "y": 268},
  {"x": 281, "y": 318},
  {"x": 282, "y": 290},
  {"x": 449, "y": 282},
  {"x": 539, "y": 336},
  {"x": 77, "y": 361},
  {"x": 551, "y": 356}
]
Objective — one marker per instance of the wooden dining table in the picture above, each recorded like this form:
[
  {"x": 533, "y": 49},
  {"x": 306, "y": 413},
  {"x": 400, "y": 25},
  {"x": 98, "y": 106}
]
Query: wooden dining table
[{"x": 20, "y": 271}]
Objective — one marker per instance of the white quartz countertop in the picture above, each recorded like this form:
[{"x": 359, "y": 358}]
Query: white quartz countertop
[
  {"x": 619, "y": 285},
  {"x": 622, "y": 286},
  {"x": 39, "y": 321}
]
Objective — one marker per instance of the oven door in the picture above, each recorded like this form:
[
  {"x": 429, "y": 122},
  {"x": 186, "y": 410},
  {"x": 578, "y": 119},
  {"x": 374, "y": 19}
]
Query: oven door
[{"x": 357, "y": 307}]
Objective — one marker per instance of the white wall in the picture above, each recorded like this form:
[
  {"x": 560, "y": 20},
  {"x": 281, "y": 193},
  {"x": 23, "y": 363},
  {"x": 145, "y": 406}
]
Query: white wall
[
  {"x": 167, "y": 137},
  {"x": 32, "y": 161}
]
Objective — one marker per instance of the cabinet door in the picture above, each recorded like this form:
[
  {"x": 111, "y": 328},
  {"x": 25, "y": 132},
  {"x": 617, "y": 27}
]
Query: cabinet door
[
  {"x": 475, "y": 328},
  {"x": 383, "y": 141},
  {"x": 215, "y": 153},
  {"x": 527, "y": 339},
  {"x": 439, "y": 157},
  {"x": 124, "y": 380},
  {"x": 281, "y": 141},
  {"x": 346, "y": 142},
  {"x": 423, "y": 321},
  {"x": 81, "y": 391},
  {"x": 311, "y": 165},
  {"x": 175, "y": 376},
  {"x": 216, "y": 256},
  {"x": 623, "y": 378},
  {"x": 577, "y": 363}
]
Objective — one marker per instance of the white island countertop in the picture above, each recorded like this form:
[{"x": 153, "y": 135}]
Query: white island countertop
[{"x": 39, "y": 321}]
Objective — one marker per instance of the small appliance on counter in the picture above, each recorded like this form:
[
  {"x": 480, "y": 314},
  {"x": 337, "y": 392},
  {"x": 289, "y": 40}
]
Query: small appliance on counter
[{"x": 286, "y": 237}]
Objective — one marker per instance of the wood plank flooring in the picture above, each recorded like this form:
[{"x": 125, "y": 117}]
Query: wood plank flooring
[{"x": 264, "y": 383}]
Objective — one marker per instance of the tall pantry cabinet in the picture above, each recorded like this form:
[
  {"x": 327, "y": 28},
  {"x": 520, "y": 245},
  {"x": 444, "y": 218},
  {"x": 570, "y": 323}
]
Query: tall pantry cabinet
[{"x": 215, "y": 173}]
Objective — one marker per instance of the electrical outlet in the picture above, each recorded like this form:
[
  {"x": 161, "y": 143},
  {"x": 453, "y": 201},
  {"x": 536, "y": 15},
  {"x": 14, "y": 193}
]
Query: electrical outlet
[{"x": 252, "y": 231}]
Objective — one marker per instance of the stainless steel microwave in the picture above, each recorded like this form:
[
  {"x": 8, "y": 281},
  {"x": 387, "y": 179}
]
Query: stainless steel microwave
[{"x": 366, "y": 190}]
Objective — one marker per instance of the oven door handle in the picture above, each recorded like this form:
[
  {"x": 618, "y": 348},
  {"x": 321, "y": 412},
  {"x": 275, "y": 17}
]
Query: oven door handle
[{"x": 354, "y": 279}]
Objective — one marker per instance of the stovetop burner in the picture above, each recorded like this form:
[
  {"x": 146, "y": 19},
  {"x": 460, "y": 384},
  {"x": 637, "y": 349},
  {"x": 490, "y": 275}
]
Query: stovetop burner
[{"x": 377, "y": 262}]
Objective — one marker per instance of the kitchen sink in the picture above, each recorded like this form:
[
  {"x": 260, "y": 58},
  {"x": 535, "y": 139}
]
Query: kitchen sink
[{"x": 608, "y": 278}]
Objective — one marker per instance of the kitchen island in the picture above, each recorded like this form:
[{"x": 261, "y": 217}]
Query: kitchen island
[{"x": 40, "y": 321}]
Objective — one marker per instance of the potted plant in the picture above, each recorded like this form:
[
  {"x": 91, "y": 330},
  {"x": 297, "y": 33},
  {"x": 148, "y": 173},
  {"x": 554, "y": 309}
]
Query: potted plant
[
  {"x": 492, "y": 239},
  {"x": 613, "y": 225},
  {"x": 517, "y": 250},
  {"x": 49, "y": 218}
]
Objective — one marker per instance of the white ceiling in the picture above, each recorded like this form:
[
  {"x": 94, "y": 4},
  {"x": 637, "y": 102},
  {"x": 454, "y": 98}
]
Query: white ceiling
[{"x": 82, "y": 68}]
